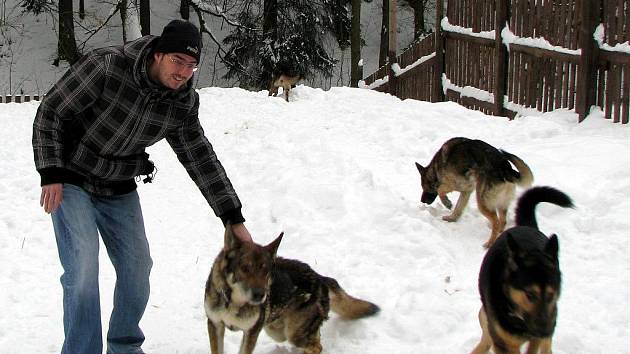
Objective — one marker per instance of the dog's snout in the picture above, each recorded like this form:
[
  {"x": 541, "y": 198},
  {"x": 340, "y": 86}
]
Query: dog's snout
[
  {"x": 428, "y": 198},
  {"x": 258, "y": 294}
]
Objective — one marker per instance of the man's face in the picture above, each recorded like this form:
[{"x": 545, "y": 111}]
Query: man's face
[{"x": 173, "y": 70}]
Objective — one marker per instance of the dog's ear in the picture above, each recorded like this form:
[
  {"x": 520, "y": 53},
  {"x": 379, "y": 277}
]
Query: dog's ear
[
  {"x": 230, "y": 241},
  {"x": 420, "y": 168},
  {"x": 514, "y": 252},
  {"x": 551, "y": 248},
  {"x": 273, "y": 246}
]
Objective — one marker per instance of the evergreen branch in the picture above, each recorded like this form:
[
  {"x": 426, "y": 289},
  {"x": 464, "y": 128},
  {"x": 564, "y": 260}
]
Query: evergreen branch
[{"x": 200, "y": 8}]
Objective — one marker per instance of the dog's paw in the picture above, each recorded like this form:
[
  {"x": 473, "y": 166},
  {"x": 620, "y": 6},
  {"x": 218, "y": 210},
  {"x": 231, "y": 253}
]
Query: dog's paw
[
  {"x": 487, "y": 244},
  {"x": 450, "y": 218}
]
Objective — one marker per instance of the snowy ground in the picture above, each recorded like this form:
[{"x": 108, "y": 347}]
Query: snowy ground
[{"x": 335, "y": 171}]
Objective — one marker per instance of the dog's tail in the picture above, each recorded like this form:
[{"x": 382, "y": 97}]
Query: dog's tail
[
  {"x": 527, "y": 177},
  {"x": 346, "y": 306},
  {"x": 526, "y": 205}
]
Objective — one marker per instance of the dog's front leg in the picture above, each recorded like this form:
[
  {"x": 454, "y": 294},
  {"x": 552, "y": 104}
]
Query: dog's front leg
[
  {"x": 216, "y": 332},
  {"x": 445, "y": 201},
  {"x": 249, "y": 339},
  {"x": 539, "y": 346},
  {"x": 462, "y": 201}
]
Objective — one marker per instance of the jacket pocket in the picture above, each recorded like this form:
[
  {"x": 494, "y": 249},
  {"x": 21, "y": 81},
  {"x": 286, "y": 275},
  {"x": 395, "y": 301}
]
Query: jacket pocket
[{"x": 87, "y": 162}]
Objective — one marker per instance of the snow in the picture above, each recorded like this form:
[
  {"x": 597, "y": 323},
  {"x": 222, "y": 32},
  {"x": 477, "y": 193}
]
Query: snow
[
  {"x": 447, "y": 26},
  {"x": 467, "y": 91},
  {"x": 535, "y": 42},
  {"x": 599, "y": 36},
  {"x": 335, "y": 171}
]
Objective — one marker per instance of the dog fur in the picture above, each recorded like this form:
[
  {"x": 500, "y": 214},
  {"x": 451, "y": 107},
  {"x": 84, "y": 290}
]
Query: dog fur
[
  {"x": 285, "y": 81},
  {"x": 465, "y": 165},
  {"x": 249, "y": 288},
  {"x": 519, "y": 282}
]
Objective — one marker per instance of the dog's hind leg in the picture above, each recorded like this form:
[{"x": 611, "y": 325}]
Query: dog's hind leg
[
  {"x": 486, "y": 342},
  {"x": 462, "y": 201},
  {"x": 502, "y": 219},
  {"x": 495, "y": 221},
  {"x": 216, "y": 333},
  {"x": 311, "y": 344}
]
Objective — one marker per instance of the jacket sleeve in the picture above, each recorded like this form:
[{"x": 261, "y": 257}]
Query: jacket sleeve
[
  {"x": 195, "y": 152},
  {"x": 77, "y": 90}
]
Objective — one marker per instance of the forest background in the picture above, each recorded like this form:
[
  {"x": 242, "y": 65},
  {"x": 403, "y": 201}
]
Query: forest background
[{"x": 39, "y": 39}]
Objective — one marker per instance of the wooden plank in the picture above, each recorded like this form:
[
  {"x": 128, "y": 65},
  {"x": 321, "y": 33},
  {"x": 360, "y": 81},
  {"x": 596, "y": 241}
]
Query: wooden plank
[
  {"x": 572, "y": 88},
  {"x": 601, "y": 88},
  {"x": 625, "y": 114},
  {"x": 572, "y": 25},
  {"x": 541, "y": 52},
  {"x": 511, "y": 79},
  {"x": 420, "y": 68},
  {"x": 614, "y": 57},
  {"x": 565, "y": 84},
  {"x": 470, "y": 101},
  {"x": 619, "y": 38},
  {"x": 468, "y": 38},
  {"x": 439, "y": 42}
]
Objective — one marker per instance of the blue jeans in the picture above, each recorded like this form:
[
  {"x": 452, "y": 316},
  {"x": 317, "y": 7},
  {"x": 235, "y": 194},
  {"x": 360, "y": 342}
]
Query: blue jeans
[{"x": 77, "y": 223}]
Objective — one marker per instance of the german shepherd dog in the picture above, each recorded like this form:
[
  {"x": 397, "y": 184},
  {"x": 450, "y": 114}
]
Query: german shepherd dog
[
  {"x": 249, "y": 288},
  {"x": 285, "y": 75},
  {"x": 465, "y": 165},
  {"x": 285, "y": 81},
  {"x": 519, "y": 282}
]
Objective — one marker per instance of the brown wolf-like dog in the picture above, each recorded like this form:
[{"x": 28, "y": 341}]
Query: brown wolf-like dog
[
  {"x": 465, "y": 165},
  {"x": 285, "y": 81},
  {"x": 250, "y": 288},
  {"x": 519, "y": 282}
]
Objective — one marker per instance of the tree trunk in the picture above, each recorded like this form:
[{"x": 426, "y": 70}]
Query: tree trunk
[
  {"x": 67, "y": 45},
  {"x": 145, "y": 17},
  {"x": 81, "y": 9},
  {"x": 382, "y": 54},
  {"x": 270, "y": 21},
  {"x": 356, "y": 73},
  {"x": 419, "y": 28},
  {"x": 122, "y": 7},
  {"x": 392, "y": 49},
  {"x": 270, "y": 35},
  {"x": 184, "y": 9}
]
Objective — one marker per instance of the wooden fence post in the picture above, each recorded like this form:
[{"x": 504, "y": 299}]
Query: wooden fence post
[
  {"x": 501, "y": 57},
  {"x": 588, "y": 60},
  {"x": 393, "y": 81},
  {"x": 438, "y": 91}
]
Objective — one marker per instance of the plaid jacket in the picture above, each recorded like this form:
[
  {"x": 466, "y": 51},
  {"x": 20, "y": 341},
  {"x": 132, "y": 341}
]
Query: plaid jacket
[{"x": 92, "y": 128}]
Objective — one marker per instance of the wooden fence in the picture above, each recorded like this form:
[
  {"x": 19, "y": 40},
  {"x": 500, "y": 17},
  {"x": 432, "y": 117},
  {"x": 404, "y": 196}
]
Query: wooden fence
[
  {"x": 552, "y": 54},
  {"x": 19, "y": 98}
]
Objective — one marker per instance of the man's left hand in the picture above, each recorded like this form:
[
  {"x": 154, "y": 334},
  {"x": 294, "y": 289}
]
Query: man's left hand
[{"x": 241, "y": 232}]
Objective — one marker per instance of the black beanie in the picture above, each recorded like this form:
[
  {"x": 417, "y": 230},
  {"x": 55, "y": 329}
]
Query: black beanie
[{"x": 180, "y": 37}]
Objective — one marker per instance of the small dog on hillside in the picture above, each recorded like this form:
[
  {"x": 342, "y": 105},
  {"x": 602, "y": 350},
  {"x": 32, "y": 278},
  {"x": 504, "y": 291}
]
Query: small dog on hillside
[
  {"x": 465, "y": 165},
  {"x": 249, "y": 289},
  {"x": 519, "y": 282},
  {"x": 285, "y": 81}
]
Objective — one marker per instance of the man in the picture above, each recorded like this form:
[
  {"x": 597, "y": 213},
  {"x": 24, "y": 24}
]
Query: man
[{"x": 89, "y": 140}]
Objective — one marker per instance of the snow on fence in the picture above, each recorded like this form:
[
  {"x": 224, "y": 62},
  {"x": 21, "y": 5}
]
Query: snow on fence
[{"x": 543, "y": 55}]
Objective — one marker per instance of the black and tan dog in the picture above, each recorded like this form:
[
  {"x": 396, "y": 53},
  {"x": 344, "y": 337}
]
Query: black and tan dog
[
  {"x": 285, "y": 74},
  {"x": 249, "y": 289},
  {"x": 286, "y": 81},
  {"x": 519, "y": 282},
  {"x": 465, "y": 165}
]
